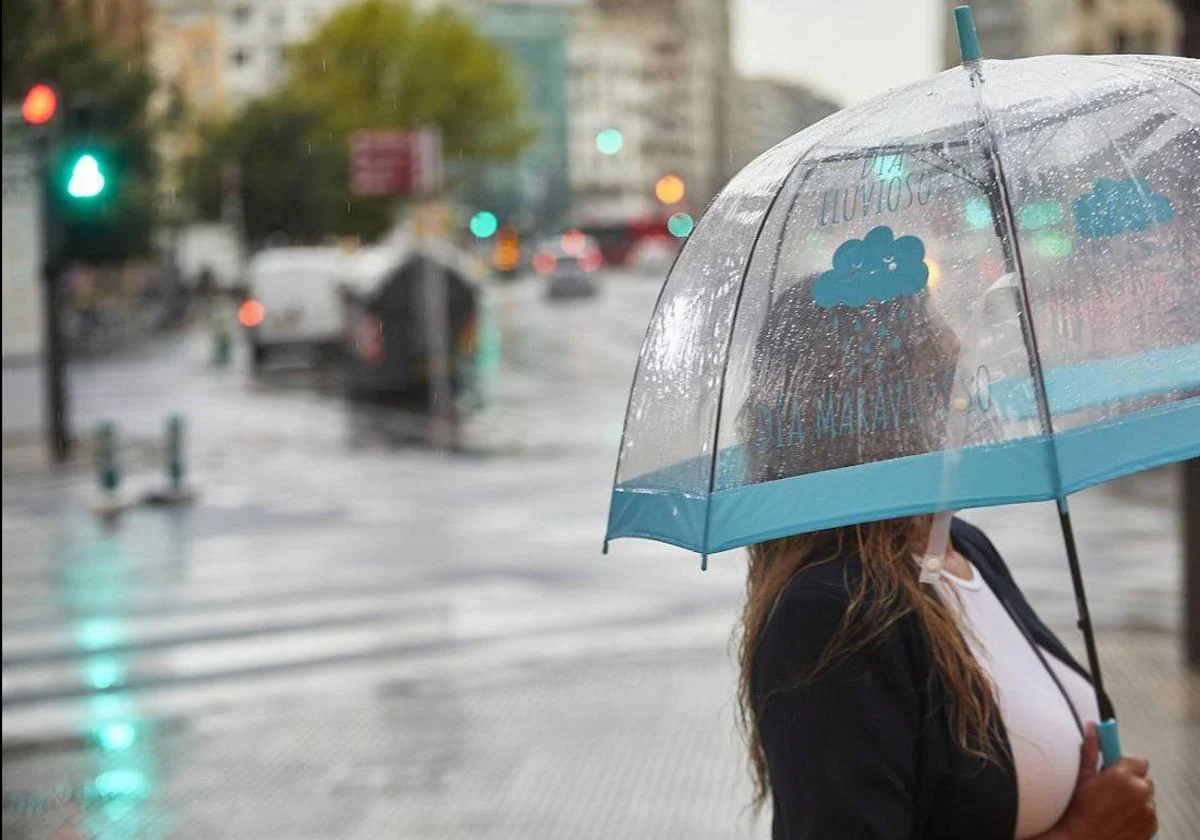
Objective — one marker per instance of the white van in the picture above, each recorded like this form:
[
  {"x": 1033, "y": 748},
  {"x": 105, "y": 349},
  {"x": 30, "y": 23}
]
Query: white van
[{"x": 293, "y": 300}]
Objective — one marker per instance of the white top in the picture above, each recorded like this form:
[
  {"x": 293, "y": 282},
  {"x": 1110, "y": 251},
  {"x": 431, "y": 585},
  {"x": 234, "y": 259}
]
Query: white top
[{"x": 1042, "y": 733}]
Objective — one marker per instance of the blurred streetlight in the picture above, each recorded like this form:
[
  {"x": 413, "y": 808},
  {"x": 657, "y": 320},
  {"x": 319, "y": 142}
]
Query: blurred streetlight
[
  {"x": 610, "y": 141},
  {"x": 669, "y": 189},
  {"x": 680, "y": 225},
  {"x": 484, "y": 224}
]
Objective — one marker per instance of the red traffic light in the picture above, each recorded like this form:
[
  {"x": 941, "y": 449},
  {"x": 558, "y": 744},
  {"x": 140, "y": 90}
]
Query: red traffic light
[{"x": 40, "y": 104}]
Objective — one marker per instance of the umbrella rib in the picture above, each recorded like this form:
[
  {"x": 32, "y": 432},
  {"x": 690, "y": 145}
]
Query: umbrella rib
[
  {"x": 1154, "y": 74},
  {"x": 787, "y": 218},
  {"x": 737, "y": 305},
  {"x": 1125, "y": 162},
  {"x": 1006, "y": 224}
]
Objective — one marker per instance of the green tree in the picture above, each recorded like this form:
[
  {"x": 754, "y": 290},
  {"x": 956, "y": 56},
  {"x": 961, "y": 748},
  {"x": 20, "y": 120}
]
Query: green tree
[
  {"x": 41, "y": 46},
  {"x": 290, "y": 176},
  {"x": 375, "y": 65}
]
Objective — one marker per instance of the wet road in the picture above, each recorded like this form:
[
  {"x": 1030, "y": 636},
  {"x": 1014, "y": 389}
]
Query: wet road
[{"x": 345, "y": 636}]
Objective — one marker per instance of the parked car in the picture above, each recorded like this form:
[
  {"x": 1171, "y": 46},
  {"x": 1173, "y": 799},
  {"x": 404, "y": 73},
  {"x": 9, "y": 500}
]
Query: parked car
[
  {"x": 387, "y": 320},
  {"x": 568, "y": 263},
  {"x": 293, "y": 300}
]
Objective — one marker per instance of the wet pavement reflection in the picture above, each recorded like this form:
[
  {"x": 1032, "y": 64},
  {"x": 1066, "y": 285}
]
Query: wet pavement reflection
[{"x": 351, "y": 636}]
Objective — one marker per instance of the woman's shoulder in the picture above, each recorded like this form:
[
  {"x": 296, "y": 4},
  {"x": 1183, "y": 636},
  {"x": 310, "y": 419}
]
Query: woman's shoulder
[
  {"x": 812, "y": 607},
  {"x": 980, "y": 550}
]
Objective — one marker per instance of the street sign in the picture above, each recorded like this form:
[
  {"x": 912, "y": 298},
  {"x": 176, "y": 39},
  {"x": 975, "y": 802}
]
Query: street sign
[{"x": 395, "y": 162}]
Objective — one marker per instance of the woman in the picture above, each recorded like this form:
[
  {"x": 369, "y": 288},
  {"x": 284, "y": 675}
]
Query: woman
[{"x": 879, "y": 706}]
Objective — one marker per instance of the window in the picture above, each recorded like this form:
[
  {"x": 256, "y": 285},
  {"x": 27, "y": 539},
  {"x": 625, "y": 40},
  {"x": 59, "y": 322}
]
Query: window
[
  {"x": 241, "y": 14},
  {"x": 241, "y": 57}
]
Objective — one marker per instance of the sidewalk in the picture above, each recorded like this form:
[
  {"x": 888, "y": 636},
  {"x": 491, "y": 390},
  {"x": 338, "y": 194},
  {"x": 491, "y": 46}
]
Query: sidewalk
[{"x": 632, "y": 746}]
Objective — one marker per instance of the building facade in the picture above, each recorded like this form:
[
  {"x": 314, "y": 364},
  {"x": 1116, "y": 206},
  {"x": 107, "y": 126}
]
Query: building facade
[
  {"x": 125, "y": 23},
  {"x": 611, "y": 94},
  {"x": 533, "y": 192},
  {"x": 1019, "y": 28},
  {"x": 659, "y": 72},
  {"x": 222, "y": 53},
  {"x": 768, "y": 111}
]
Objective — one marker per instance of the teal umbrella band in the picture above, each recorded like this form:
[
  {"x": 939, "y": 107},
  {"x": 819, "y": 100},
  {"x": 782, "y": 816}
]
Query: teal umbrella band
[{"x": 989, "y": 474}]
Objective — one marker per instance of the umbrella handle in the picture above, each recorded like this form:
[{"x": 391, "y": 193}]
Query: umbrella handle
[{"x": 1110, "y": 743}]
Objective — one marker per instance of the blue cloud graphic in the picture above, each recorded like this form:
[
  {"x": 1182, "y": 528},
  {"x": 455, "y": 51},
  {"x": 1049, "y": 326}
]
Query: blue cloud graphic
[
  {"x": 1116, "y": 207},
  {"x": 878, "y": 267}
]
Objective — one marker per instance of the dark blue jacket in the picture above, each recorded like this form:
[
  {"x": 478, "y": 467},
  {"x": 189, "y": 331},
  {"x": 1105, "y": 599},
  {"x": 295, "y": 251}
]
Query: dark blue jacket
[{"x": 865, "y": 751}]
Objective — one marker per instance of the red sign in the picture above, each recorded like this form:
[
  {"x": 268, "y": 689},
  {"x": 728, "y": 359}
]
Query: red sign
[{"x": 395, "y": 162}]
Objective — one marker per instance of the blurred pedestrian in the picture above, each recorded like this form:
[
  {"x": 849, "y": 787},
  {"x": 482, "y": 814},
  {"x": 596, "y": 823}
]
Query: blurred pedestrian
[{"x": 880, "y": 706}]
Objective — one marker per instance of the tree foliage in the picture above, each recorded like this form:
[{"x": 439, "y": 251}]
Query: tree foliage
[
  {"x": 374, "y": 65},
  {"x": 383, "y": 64},
  {"x": 59, "y": 50},
  {"x": 290, "y": 177}
]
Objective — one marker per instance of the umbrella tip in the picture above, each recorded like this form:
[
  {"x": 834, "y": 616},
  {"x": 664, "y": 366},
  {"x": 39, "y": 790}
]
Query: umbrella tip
[{"x": 968, "y": 39}]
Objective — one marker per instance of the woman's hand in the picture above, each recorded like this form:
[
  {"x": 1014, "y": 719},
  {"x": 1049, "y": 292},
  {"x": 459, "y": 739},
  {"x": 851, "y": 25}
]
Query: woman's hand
[{"x": 1112, "y": 804}]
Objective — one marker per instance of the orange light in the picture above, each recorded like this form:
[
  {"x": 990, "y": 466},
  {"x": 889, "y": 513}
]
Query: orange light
[
  {"x": 506, "y": 255},
  {"x": 40, "y": 104},
  {"x": 251, "y": 313},
  {"x": 669, "y": 189},
  {"x": 573, "y": 242},
  {"x": 544, "y": 262},
  {"x": 935, "y": 274}
]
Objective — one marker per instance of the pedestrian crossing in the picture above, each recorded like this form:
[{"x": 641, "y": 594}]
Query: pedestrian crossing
[{"x": 170, "y": 647}]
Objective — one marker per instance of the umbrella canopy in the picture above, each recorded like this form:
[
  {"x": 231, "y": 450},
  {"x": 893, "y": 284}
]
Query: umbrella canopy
[{"x": 978, "y": 289}]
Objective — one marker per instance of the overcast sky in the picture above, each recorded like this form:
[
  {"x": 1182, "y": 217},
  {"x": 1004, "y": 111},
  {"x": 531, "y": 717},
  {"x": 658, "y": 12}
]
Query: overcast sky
[{"x": 846, "y": 49}]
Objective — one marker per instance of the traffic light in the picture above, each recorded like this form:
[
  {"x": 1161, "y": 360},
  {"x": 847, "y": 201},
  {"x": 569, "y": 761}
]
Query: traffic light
[
  {"x": 87, "y": 177},
  {"x": 40, "y": 105},
  {"x": 83, "y": 165}
]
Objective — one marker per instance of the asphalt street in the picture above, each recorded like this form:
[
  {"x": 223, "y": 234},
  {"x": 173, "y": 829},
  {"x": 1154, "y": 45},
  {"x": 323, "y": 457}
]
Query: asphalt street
[{"x": 351, "y": 636}]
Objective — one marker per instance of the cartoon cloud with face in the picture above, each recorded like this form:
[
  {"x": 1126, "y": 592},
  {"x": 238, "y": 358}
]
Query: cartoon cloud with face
[{"x": 877, "y": 268}]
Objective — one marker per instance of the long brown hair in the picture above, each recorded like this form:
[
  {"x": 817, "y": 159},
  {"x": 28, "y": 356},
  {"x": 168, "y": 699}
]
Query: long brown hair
[
  {"x": 888, "y": 591},
  {"x": 791, "y": 365}
]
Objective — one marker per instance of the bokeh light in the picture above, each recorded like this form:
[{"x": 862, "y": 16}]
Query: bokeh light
[
  {"x": 573, "y": 242},
  {"x": 251, "y": 313},
  {"x": 680, "y": 224},
  {"x": 39, "y": 105},
  {"x": 484, "y": 224},
  {"x": 610, "y": 141},
  {"x": 670, "y": 189}
]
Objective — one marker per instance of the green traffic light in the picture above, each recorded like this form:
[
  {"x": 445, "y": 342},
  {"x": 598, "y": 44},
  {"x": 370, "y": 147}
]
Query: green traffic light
[{"x": 87, "y": 180}]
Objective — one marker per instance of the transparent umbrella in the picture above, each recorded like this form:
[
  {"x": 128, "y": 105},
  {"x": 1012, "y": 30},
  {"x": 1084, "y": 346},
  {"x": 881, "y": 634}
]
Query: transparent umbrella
[{"x": 977, "y": 289}]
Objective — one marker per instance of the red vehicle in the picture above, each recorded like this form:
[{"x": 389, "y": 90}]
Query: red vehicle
[{"x": 619, "y": 241}]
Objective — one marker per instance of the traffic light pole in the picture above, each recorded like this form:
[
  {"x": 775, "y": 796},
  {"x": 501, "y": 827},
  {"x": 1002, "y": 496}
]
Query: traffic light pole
[{"x": 57, "y": 425}]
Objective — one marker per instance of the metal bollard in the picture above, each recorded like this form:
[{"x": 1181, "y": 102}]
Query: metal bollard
[
  {"x": 108, "y": 471},
  {"x": 175, "y": 470},
  {"x": 176, "y": 492}
]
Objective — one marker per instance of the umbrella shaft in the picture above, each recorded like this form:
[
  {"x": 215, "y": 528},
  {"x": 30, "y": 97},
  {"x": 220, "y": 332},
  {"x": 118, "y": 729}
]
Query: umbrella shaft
[{"x": 1085, "y": 619}]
